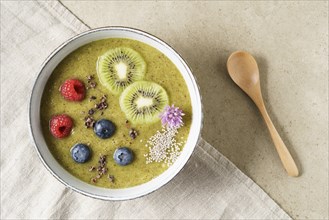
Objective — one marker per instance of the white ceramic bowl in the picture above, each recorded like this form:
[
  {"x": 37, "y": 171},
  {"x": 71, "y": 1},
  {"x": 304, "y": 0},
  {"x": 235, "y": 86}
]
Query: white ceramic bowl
[{"x": 35, "y": 125}]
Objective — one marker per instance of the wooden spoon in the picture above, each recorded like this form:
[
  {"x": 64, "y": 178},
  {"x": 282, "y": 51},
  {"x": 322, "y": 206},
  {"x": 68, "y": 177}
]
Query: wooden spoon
[{"x": 243, "y": 70}]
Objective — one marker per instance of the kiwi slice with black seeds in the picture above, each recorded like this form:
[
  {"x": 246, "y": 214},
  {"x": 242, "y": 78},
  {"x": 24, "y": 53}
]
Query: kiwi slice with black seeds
[
  {"x": 120, "y": 67},
  {"x": 143, "y": 101}
]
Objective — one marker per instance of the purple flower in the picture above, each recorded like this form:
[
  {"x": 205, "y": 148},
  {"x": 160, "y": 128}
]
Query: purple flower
[{"x": 172, "y": 117}]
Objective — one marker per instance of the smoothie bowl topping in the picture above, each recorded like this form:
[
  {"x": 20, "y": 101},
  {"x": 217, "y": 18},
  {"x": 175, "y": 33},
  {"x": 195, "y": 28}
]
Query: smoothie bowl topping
[
  {"x": 60, "y": 126},
  {"x": 73, "y": 90},
  {"x": 172, "y": 117},
  {"x": 101, "y": 170}
]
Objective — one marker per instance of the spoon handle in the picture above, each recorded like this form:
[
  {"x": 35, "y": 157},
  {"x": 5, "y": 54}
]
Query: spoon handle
[{"x": 284, "y": 154}]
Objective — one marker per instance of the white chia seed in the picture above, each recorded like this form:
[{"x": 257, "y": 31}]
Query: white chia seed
[{"x": 163, "y": 147}]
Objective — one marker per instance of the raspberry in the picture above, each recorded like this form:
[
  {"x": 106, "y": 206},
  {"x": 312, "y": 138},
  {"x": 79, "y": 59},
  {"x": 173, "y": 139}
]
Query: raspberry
[
  {"x": 73, "y": 90},
  {"x": 60, "y": 126}
]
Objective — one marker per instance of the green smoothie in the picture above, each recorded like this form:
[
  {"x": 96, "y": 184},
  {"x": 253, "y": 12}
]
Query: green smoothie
[{"x": 79, "y": 65}]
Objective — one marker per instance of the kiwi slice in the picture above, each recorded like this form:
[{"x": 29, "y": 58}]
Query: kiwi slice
[
  {"x": 143, "y": 101},
  {"x": 120, "y": 67}
]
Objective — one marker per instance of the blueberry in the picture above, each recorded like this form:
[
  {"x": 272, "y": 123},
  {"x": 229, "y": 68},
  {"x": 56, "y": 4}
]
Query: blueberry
[
  {"x": 104, "y": 128},
  {"x": 80, "y": 153},
  {"x": 123, "y": 156}
]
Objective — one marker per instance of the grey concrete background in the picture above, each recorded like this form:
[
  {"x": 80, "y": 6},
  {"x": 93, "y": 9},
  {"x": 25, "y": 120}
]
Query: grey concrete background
[{"x": 290, "y": 43}]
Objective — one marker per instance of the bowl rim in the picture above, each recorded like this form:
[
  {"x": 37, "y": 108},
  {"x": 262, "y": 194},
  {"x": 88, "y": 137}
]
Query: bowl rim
[{"x": 59, "y": 48}]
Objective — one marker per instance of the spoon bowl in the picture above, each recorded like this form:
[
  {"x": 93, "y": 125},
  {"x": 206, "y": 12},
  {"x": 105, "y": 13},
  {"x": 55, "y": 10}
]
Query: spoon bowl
[{"x": 243, "y": 69}]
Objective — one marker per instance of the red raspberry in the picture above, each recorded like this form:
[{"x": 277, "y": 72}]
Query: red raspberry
[
  {"x": 73, "y": 90},
  {"x": 60, "y": 125}
]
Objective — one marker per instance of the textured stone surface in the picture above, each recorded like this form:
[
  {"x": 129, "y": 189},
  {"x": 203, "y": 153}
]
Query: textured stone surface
[{"x": 290, "y": 43}]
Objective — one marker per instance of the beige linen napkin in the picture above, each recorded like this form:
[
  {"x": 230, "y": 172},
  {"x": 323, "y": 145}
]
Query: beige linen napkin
[{"x": 209, "y": 186}]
